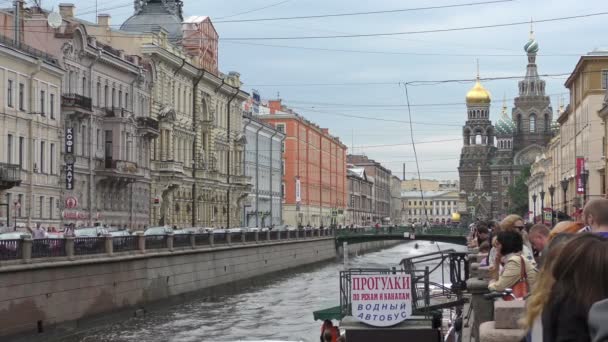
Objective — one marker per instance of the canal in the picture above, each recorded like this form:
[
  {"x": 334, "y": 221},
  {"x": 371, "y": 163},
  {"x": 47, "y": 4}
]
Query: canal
[{"x": 277, "y": 308}]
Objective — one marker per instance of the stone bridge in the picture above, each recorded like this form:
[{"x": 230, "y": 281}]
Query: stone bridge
[{"x": 440, "y": 234}]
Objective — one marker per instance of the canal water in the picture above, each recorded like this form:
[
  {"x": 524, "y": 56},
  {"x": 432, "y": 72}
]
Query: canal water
[{"x": 277, "y": 308}]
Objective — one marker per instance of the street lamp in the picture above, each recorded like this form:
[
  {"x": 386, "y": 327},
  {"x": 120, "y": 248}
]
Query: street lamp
[
  {"x": 542, "y": 205},
  {"x": 534, "y": 205},
  {"x": 551, "y": 192},
  {"x": 584, "y": 179},
  {"x": 564, "y": 182}
]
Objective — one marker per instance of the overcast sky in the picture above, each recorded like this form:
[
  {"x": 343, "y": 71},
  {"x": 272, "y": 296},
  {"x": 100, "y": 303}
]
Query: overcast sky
[{"x": 369, "y": 82}]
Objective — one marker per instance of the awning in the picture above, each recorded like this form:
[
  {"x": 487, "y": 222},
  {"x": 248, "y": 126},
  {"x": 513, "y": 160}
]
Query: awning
[{"x": 334, "y": 313}]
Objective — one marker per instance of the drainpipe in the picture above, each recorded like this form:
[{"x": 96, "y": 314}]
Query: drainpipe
[
  {"x": 281, "y": 199},
  {"x": 257, "y": 175},
  {"x": 194, "y": 165},
  {"x": 32, "y": 104},
  {"x": 228, "y": 159},
  {"x": 91, "y": 159},
  {"x": 271, "y": 195},
  {"x": 131, "y": 208}
]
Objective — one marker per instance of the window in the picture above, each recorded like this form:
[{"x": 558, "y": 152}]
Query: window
[
  {"x": 42, "y": 157},
  {"x": 21, "y": 151},
  {"x": 98, "y": 94},
  {"x": 52, "y": 155},
  {"x": 42, "y": 100},
  {"x": 519, "y": 127},
  {"x": 126, "y": 100},
  {"x": 120, "y": 99},
  {"x": 283, "y": 190},
  {"x": 505, "y": 180},
  {"x": 283, "y": 146},
  {"x": 113, "y": 97},
  {"x": 106, "y": 95},
  {"x": 20, "y": 201},
  {"x": 41, "y": 207},
  {"x": 98, "y": 139},
  {"x": 532, "y": 123},
  {"x": 52, "y": 105},
  {"x": 84, "y": 86},
  {"x": 21, "y": 96},
  {"x": 281, "y": 128},
  {"x": 9, "y": 94},
  {"x": 283, "y": 166},
  {"x": 9, "y": 146},
  {"x": 604, "y": 79},
  {"x": 51, "y": 207}
]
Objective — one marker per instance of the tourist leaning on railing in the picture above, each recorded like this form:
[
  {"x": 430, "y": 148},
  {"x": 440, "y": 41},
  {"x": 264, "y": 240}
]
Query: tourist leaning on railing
[
  {"x": 542, "y": 288},
  {"x": 509, "y": 251},
  {"x": 581, "y": 280}
]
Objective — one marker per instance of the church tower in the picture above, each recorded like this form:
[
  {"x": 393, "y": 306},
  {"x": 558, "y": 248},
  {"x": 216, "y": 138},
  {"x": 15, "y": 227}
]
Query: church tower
[
  {"x": 532, "y": 112},
  {"x": 477, "y": 152}
]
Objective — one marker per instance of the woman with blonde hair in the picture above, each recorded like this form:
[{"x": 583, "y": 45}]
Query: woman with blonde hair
[
  {"x": 569, "y": 227},
  {"x": 542, "y": 289}
]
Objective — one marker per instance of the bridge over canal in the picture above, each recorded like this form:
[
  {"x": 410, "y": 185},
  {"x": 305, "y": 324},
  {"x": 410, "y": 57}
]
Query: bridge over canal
[{"x": 440, "y": 234}]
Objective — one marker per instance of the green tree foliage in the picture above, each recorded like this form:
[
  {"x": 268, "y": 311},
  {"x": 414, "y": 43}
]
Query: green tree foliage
[{"x": 518, "y": 193}]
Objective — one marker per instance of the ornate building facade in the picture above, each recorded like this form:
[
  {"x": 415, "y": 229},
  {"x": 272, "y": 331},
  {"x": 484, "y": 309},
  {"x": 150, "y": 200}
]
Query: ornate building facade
[{"x": 493, "y": 156}]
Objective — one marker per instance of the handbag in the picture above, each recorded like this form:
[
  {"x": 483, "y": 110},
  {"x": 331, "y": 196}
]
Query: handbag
[{"x": 521, "y": 288}]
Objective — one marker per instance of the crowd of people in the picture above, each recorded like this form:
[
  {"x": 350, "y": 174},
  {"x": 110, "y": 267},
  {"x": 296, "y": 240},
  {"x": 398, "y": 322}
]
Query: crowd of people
[{"x": 561, "y": 272}]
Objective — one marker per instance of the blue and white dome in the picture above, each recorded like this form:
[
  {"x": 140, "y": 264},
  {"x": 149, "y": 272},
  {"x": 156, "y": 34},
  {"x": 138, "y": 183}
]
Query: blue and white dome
[
  {"x": 505, "y": 126},
  {"x": 531, "y": 46}
]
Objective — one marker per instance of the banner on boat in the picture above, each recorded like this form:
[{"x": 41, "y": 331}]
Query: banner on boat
[{"x": 381, "y": 300}]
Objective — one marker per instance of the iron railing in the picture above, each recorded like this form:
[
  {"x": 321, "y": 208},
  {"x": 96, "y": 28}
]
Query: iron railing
[
  {"x": 274, "y": 235},
  {"x": 10, "y": 173},
  {"x": 4, "y": 40},
  {"x": 124, "y": 243},
  {"x": 76, "y": 100},
  {"x": 219, "y": 238},
  {"x": 249, "y": 236},
  {"x": 181, "y": 240},
  {"x": 48, "y": 248},
  {"x": 156, "y": 241},
  {"x": 89, "y": 245},
  {"x": 201, "y": 239},
  {"x": 10, "y": 249}
]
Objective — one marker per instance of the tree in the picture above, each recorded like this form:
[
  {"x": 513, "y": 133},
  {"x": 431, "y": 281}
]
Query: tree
[{"x": 518, "y": 193}]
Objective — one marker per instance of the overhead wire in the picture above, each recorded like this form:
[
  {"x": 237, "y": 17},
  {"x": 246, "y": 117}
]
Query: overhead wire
[{"x": 253, "y": 10}]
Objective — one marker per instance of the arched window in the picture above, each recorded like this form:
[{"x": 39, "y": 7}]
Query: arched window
[
  {"x": 519, "y": 127},
  {"x": 547, "y": 123},
  {"x": 532, "y": 123},
  {"x": 478, "y": 139}
]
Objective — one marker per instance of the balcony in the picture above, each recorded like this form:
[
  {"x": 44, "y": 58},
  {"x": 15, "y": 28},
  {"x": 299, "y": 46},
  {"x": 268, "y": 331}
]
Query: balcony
[
  {"x": 244, "y": 180},
  {"x": 116, "y": 112},
  {"x": 148, "y": 127},
  {"x": 169, "y": 167},
  {"x": 119, "y": 170},
  {"x": 10, "y": 176},
  {"x": 209, "y": 122},
  {"x": 77, "y": 105}
]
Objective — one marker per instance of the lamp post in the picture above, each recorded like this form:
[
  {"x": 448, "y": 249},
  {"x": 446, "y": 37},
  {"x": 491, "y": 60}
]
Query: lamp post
[
  {"x": 564, "y": 182},
  {"x": 551, "y": 193},
  {"x": 534, "y": 206},
  {"x": 542, "y": 205},
  {"x": 584, "y": 179}
]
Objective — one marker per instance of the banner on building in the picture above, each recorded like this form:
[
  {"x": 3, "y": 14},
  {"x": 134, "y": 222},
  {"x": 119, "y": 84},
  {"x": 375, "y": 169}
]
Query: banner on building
[
  {"x": 381, "y": 300},
  {"x": 69, "y": 140},
  {"x": 580, "y": 167},
  {"x": 298, "y": 190},
  {"x": 69, "y": 176}
]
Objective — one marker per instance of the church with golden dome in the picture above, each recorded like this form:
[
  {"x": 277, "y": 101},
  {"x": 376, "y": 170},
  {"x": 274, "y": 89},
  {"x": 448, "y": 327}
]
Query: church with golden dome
[{"x": 493, "y": 155}]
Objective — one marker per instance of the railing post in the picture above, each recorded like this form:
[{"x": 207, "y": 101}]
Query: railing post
[
  {"x": 211, "y": 239},
  {"x": 257, "y": 237},
  {"x": 109, "y": 245},
  {"x": 297, "y": 234},
  {"x": 243, "y": 237},
  {"x": 26, "y": 248},
  {"x": 279, "y": 233},
  {"x": 141, "y": 242},
  {"x": 69, "y": 247},
  {"x": 169, "y": 238},
  {"x": 228, "y": 238},
  {"x": 268, "y": 235},
  {"x": 192, "y": 240}
]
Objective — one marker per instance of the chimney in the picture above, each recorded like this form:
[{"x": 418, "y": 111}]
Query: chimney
[
  {"x": 274, "y": 106},
  {"x": 103, "y": 20},
  {"x": 66, "y": 10}
]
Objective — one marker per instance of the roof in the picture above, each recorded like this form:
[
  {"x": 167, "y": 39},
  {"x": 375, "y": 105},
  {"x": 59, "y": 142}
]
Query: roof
[
  {"x": 577, "y": 69},
  {"x": 426, "y": 194},
  {"x": 195, "y": 19}
]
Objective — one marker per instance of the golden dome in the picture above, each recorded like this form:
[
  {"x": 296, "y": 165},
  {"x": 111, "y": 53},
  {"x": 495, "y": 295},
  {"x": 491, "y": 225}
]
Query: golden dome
[
  {"x": 455, "y": 217},
  {"x": 478, "y": 94}
]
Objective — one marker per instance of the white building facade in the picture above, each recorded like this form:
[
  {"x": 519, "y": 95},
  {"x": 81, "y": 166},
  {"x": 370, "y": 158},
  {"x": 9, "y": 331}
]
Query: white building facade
[{"x": 263, "y": 164}]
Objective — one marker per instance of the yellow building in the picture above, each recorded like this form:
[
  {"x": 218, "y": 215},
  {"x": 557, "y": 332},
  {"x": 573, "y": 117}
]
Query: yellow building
[
  {"x": 581, "y": 132},
  {"x": 428, "y": 185}
]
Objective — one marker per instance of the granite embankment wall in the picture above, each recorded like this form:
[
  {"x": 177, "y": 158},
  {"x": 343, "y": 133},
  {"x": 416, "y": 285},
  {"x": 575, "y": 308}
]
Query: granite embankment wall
[{"x": 53, "y": 295}]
